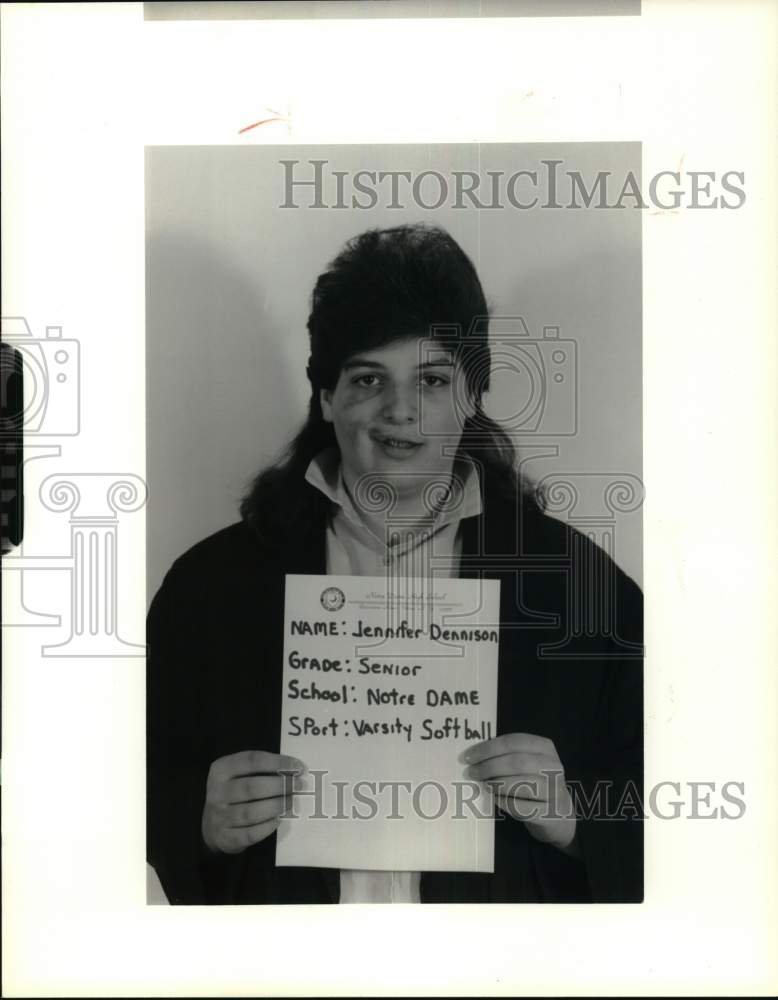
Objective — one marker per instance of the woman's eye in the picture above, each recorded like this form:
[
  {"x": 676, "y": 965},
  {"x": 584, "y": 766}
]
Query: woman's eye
[
  {"x": 432, "y": 381},
  {"x": 368, "y": 381}
]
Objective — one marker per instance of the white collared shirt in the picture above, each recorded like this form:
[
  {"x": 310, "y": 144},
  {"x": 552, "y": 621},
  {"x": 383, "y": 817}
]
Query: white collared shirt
[{"x": 354, "y": 550}]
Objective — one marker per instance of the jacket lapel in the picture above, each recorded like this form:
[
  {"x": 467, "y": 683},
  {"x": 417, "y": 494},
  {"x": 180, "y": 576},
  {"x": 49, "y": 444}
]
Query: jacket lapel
[{"x": 306, "y": 550}]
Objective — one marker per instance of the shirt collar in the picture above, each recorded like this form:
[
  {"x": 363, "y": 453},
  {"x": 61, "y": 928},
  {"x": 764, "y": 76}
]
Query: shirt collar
[{"x": 324, "y": 473}]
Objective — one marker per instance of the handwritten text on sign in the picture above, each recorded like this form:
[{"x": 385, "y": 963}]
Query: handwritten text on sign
[{"x": 381, "y": 695}]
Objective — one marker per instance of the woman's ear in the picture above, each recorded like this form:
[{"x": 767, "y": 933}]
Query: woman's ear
[{"x": 325, "y": 401}]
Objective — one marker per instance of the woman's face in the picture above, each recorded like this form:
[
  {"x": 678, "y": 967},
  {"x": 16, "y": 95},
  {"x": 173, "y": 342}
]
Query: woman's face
[{"x": 398, "y": 410}]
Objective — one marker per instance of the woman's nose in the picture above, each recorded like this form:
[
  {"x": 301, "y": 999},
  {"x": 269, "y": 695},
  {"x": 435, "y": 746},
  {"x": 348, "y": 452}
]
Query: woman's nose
[{"x": 401, "y": 405}]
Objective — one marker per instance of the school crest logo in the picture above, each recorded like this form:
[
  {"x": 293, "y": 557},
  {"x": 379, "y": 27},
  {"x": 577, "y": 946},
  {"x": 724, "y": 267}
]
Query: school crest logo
[{"x": 333, "y": 599}]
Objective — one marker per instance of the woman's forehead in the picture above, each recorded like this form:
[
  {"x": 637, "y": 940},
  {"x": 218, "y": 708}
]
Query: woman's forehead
[{"x": 405, "y": 351}]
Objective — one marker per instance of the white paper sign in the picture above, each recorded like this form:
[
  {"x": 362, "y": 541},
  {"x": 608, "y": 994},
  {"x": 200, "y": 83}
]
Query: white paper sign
[{"x": 383, "y": 690}]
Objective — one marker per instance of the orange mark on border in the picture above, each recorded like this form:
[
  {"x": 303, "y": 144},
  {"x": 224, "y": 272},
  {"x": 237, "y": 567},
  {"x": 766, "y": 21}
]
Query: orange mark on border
[
  {"x": 264, "y": 121},
  {"x": 256, "y": 124}
]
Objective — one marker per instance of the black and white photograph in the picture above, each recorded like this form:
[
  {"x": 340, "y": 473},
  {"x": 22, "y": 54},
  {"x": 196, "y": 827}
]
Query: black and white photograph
[
  {"x": 388, "y": 408},
  {"x": 419, "y": 365}
]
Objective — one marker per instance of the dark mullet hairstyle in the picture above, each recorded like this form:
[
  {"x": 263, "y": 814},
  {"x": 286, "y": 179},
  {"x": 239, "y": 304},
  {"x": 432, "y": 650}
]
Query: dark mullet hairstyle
[{"x": 387, "y": 285}]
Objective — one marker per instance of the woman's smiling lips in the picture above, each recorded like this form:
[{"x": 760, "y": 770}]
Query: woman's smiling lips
[{"x": 396, "y": 446}]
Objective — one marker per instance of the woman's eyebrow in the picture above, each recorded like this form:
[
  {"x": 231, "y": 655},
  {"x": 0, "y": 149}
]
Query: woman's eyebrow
[
  {"x": 360, "y": 363},
  {"x": 364, "y": 363}
]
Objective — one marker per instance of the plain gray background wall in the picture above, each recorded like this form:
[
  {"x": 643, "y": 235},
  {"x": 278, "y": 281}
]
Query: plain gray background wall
[{"x": 228, "y": 280}]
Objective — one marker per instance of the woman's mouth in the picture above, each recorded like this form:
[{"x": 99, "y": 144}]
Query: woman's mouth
[{"x": 397, "y": 447}]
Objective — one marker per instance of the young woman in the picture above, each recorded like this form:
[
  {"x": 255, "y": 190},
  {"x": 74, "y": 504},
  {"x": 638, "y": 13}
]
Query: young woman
[{"x": 398, "y": 364}]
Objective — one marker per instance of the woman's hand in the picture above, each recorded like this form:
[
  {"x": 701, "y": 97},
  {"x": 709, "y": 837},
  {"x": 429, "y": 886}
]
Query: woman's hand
[
  {"x": 244, "y": 796},
  {"x": 528, "y": 780}
]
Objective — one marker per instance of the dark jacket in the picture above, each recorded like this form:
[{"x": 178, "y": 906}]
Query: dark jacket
[{"x": 570, "y": 669}]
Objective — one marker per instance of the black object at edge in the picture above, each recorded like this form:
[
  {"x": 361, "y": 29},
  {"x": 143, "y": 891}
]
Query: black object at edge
[{"x": 11, "y": 414}]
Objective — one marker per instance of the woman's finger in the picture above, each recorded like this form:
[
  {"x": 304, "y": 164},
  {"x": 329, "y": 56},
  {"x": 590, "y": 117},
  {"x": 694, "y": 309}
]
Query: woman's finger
[
  {"x": 513, "y": 763},
  {"x": 239, "y": 838},
  {"x": 254, "y": 762},
  {"x": 527, "y": 787},
  {"x": 253, "y": 813},
  {"x": 265, "y": 787},
  {"x": 509, "y": 743},
  {"x": 521, "y": 809}
]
